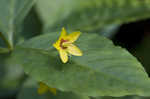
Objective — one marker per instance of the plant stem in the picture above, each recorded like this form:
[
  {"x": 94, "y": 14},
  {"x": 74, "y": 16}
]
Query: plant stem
[{"x": 10, "y": 47}]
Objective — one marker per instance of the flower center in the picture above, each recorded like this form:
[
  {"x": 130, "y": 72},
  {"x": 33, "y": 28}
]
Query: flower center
[{"x": 61, "y": 43}]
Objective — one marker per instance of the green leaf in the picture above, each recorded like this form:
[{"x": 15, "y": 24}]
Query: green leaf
[
  {"x": 125, "y": 97},
  {"x": 103, "y": 70},
  {"x": 109, "y": 31},
  {"x": 92, "y": 14},
  {"x": 29, "y": 91},
  {"x": 30, "y": 27},
  {"x": 12, "y": 14},
  {"x": 4, "y": 50},
  {"x": 11, "y": 76}
]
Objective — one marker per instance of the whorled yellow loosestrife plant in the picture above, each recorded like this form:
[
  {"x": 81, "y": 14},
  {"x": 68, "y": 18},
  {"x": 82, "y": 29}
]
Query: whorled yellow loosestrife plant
[
  {"x": 43, "y": 88},
  {"x": 65, "y": 45}
]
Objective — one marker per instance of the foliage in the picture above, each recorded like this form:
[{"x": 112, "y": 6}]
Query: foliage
[{"x": 29, "y": 28}]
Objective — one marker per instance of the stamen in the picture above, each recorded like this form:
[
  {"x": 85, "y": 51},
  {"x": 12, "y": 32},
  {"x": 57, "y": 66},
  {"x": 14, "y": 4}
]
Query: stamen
[{"x": 61, "y": 43}]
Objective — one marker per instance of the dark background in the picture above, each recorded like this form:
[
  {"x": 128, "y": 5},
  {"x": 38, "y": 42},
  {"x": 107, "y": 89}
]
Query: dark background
[{"x": 135, "y": 37}]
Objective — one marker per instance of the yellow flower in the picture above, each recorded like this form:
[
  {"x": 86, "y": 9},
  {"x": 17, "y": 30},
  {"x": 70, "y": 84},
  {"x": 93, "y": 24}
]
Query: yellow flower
[
  {"x": 65, "y": 45},
  {"x": 44, "y": 88}
]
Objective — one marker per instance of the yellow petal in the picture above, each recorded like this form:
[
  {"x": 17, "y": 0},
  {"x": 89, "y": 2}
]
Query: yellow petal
[
  {"x": 53, "y": 90},
  {"x": 43, "y": 88},
  {"x": 73, "y": 36},
  {"x": 63, "y": 55},
  {"x": 65, "y": 44},
  {"x": 57, "y": 45},
  {"x": 74, "y": 50},
  {"x": 63, "y": 33}
]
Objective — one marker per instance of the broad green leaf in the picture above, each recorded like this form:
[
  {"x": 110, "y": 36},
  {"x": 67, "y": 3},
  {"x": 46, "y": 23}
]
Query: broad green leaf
[
  {"x": 29, "y": 91},
  {"x": 52, "y": 11},
  {"x": 4, "y": 50},
  {"x": 109, "y": 31},
  {"x": 11, "y": 76},
  {"x": 125, "y": 97},
  {"x": 103, "y": 70},
  {"x": 12, "y": 12},
  {"x": 92, "y": 14}
]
